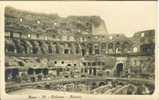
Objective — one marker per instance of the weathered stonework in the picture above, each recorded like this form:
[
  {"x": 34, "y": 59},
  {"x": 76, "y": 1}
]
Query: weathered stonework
[{"x": 41, "y": 45}]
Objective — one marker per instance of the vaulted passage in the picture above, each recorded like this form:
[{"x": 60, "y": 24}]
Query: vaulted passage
[
  {"x": 119, "y": 69},
  {"x": 11, "y": 74},
  {"x": 101, "y": 83}
]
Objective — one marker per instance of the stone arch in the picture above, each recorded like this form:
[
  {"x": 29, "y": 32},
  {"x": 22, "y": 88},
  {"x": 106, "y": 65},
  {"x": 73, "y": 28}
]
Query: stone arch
[
  {"x": 103, "y": 45},
  {"x": 94, "y": 85},
  {"x": 117, "y": 44},
  {"x": 110, "y": 46},
  {"x": 67, "y": 48},
  {"x": 117, "y": 47},
  {"x": 36, "y": 47},
  {"x": 108, "y": 72},
  {"x": 19, "y": 46},
  {"x": 28, "y": 46},
  {"x": 25, "y": 46},
  {"x": 47, "y": 86},
  {"x": 126, "y": 46},
  {"x": 44, "y": 47},
  {"x": 101, "y": 83},
  {"x": 58, "y": 48},
  {"x": 97, "y": 48},
  {"x": 50, "y": 47},
  {"x": 77, "y": 48},
  {"x": 119, "y": 68},
  {"x": 147, "y": 49},
  {"x": 90, "y": 48},
  {"x": 10, "y": 45},
  {"x": 30, "y": 71},
  {"x": 72, "y": 48}
]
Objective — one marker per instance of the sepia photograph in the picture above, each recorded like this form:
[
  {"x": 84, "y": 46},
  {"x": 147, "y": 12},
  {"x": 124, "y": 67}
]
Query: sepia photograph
[{"x": 93, "y": 49}]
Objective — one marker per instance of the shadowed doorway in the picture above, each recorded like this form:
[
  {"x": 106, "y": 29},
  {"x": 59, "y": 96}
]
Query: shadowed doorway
[{"x": 119, "y": 69}]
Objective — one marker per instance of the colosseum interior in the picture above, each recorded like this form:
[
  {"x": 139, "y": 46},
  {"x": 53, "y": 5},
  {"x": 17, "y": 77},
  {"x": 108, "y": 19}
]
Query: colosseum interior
[{"x": 75, "y": 54}]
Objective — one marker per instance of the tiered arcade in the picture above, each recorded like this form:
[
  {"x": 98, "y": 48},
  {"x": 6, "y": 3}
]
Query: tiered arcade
[{"x": 46, "y": 47}]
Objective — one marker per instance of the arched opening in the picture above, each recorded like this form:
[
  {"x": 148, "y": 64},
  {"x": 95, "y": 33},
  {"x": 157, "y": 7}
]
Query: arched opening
[
  {"x": 101, "y": 84},
  {"x": 90, "y": 48},
  {"x": 77, "y": 49},
  {"x": 66, "y": 51},
  {"x": 83, "y": 52},
  {"x": 66, "y": 76},
  {"x": 94, "y": 71},
  {"x": 97, "y": 51},
  {"x": 30, "y": 71},
  {"x": 110, "y": 45},
  {"x": 147, "y": 49},
  {"x": 15, "y": 73},
  {"x": 90, "y": 71},
  {"x": 47, "y": 86},
  {"x": 110, "y": 48},
  {"x": 38, "y": 87},
  {"x": 50, "y": 48},
  {"x": 103, "y": 46},
  {"x": 108, "y": 72},
  {"x": 117, "y": 47},
  {"x": 119, "y": 69},
  {"x": 45, "y": 71},
  {"x": 125, "y": 47},
  {"x": 38, "y": 71},
  {"x": 94, "y": 85},
  {"x": 12, "y": 74},
  {"x": 83, "y": 75}
]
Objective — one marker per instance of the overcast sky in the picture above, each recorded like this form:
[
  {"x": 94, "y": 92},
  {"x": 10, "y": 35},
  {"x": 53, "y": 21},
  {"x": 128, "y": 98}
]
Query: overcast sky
[{"x": 120, "y": 17}]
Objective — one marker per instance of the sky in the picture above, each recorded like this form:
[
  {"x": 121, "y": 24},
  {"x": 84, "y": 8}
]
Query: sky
[{"x": 124, "y": 17}]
